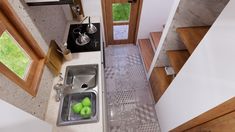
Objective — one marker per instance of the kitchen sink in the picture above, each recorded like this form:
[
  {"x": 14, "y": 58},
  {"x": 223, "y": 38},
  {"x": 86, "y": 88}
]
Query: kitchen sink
[
  {"x": 82, "y": 82},
  {"x": 82, "y": 76}
]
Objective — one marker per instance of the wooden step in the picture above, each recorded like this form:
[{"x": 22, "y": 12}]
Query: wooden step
[
  {"x": 146, "y": 52},
  {"x": 155, "y": 36},
  {"x": 159, "y": 82},
  {"x": 177, "y": 58},
  {"x": 191, "y": 36}
]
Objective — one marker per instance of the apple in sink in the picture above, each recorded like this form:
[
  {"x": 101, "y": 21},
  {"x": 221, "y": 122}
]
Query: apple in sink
[
  {"x": 86, "y": 102},
  {"x": 77, "y": 108},
  {"x": 86, "y": 112}
]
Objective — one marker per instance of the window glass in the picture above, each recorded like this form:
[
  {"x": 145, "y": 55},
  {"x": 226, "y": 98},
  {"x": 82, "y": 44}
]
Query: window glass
[
  {"x": 121, "y": 11},
  {"x": 120, "y": 32},
  {"x": 13, "y": 56}
]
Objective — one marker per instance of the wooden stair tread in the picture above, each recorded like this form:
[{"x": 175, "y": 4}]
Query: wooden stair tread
[
  {"x": 159, "y": 82},
  {"x": 191, "y": 36},
  {"x": 177, "y": 58},
  {"x": 155, "y": 36},
  {"x": 146, "y": 52}
]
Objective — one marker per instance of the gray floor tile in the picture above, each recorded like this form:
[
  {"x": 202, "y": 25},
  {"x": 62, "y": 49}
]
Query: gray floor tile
[{"x": 130, "y": 103}]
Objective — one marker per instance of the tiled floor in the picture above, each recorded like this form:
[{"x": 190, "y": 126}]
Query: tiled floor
[{"x": 130, "y": 104}]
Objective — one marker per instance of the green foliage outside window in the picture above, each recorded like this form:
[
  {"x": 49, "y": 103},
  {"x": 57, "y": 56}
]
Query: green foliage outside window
[
  {"x": 121, "y": 11},
  {"x": 13, "y": 56}
]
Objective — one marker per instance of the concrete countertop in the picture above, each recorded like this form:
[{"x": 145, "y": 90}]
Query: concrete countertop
[{"x": 83, "y": 58}]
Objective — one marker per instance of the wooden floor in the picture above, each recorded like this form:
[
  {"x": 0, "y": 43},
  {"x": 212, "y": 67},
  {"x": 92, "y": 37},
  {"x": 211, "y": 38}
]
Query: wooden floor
[
  {"x": 177, "y": 58},
  {"x": 159, "y": 82},
  {"x": 155, "y": 36},
  {"x": 191, "y": 36},
  {"x": 146, "y": 52}
]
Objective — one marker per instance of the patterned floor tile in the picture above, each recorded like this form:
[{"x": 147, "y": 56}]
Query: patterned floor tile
[
  {"x": 115, "y": 112},
  {"x": 122, "y": 97},
  {"x": 144, "y": 96},
  {"x": 130, "y": 103},
  {"x": 110, "y": 85},
  {"x": 146, "y": 113},
  {"x": 124, "y": 85},
  {"x": 134, "y": 59},
  {"x": 116, "y": 126},
  {"x": 109, "y": 72},
  {"x": 121, "y": 126},
  {"x": 148, "y": 127}
]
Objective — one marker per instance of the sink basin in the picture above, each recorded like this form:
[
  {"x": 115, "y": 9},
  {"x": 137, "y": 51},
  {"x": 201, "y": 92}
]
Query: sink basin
[
  {"x": 83, "y": 82},
  {"x": 82, "y": 76},
  {"x": 68, "y": 117}
]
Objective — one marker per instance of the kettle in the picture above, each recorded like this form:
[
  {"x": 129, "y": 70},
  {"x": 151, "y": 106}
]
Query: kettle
[
  {"x": 82, "y": 39},
  {"x": 90, "y": 27}
]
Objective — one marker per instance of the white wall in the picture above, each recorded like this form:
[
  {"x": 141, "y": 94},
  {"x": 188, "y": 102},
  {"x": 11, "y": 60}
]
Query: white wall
[
  {"x": 207, "y": 78},
  {"x": 16, "y": 120},
  {"x": 94, "y": 8},
  {"x": 153, "y": 16}
]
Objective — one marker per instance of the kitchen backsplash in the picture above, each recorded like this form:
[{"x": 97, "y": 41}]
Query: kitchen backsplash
[{"x": 50, "y": 21}]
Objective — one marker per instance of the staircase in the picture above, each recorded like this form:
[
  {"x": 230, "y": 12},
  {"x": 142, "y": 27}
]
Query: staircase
[
  {"x": 191, "y": 37},
  {"x": 148, "y": 47}
]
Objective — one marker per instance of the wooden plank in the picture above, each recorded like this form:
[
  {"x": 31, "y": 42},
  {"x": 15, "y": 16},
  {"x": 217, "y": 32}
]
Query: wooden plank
[
  {"x": 224, "y": 123},
  {"x": 54, "y": 59},
  {"x": 155, "y": 36},
  {"x": 159, "y": 82},
  {"x": 220, "y": 110},
  {"x": 146, "y": 52},
  {"x": 191, "y": 36},
  {"x": 177, "y": 58}
]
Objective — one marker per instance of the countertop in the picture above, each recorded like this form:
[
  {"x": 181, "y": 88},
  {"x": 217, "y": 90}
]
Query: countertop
[{"x": 53, "y": 106}]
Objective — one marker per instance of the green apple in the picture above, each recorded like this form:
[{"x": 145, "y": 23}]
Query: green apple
[
  {"x": 86, "y": 112},
  {"x": 86, "y": 101},
  {"x": 77, "y": 108}
]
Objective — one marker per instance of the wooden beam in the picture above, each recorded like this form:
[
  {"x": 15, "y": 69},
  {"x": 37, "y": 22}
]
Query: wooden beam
[{"x": 220, "y": 110}]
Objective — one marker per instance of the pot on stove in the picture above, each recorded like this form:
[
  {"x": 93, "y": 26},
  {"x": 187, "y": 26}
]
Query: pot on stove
[
  {"x": 82, "y": 39},
  {"x": 90, "y": 27}
]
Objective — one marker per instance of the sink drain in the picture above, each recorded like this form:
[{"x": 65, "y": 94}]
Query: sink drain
[{"x": 84, "y": 85}]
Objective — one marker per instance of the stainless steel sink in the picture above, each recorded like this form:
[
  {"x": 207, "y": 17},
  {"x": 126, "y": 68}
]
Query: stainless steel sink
[
  {"x": 82, "y": 76},
  {"x": 76, "y": 77}
]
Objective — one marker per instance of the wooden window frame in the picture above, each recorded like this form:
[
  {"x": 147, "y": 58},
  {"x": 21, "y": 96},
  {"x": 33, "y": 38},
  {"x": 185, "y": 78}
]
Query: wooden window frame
[{"x": 10, "y": 21}]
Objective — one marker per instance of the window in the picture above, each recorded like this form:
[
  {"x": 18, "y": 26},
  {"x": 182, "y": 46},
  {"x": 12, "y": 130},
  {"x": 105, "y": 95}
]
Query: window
[
  {"x": 21, "y": 59},
  {"x": 121, "y": 11},
  {"x": 13, "y": 56}
]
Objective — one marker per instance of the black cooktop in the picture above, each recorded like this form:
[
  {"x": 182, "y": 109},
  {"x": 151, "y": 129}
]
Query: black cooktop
[{"x": 93, "y": 45}]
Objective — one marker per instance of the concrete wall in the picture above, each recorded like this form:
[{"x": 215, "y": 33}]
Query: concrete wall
[
  {"x": 15, "y": 95},
  {"x": 153, "y": 16},
  {"x": 50, "y": 21},
  {"x": 187, "y": 14},
  {"x": 207, "y": 78}
]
